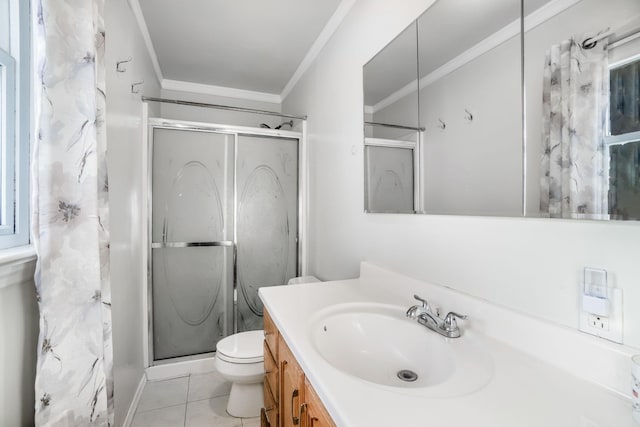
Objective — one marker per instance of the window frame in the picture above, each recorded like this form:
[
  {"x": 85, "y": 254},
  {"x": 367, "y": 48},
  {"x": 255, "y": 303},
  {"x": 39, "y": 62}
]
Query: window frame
[
  {"x": 16, "y": 129},
  {"x": 622, "y": 138}
]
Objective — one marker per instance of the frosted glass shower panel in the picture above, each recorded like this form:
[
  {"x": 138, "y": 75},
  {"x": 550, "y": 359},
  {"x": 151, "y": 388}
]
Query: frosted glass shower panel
[
  {"x": 267, "y": 222},
  {"x": 389, "y": 179},
  {"x": 192, "y": 255}
]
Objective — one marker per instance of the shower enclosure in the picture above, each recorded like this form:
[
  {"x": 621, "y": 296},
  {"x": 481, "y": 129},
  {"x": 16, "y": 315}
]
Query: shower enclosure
[{"x": 223, "y": 223}]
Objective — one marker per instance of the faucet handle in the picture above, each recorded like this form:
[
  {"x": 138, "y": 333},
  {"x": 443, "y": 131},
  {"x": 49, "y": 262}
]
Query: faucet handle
[
  {"x": 450, "y": 323},
  {"x": 424, "y": 302}
]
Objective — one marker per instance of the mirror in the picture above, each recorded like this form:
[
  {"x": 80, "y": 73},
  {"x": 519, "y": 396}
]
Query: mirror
[
  {"x": 581, "y": 79},
  {"x": 391, "y": 127},
  {"x": 470, "y": 106},
  {"x": 579, "y": 154}
]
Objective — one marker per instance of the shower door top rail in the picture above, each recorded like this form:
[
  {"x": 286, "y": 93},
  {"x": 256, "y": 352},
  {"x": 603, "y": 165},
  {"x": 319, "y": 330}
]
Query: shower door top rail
[
  {"x": 160, "y": 123},
  {"x": 161, "y": 245},
  {"x": 222, "y": 107}
]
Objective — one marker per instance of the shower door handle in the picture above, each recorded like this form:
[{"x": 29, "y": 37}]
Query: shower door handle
[{"x": 160, "y": 245}]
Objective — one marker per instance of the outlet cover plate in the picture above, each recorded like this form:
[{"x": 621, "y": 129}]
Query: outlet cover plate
[{"x": 615, "y": 332}]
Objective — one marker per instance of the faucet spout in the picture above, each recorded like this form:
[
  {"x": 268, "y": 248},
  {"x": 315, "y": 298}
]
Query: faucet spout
[
  {"x": 425, "y": 317},
  {"x": 446, "y": 327}
]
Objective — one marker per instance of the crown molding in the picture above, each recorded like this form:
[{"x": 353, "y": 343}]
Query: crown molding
[
  {"x": 396, "y": 96},
  {"x": 329, "y": 29},
  {"x": 546, "y": 12},
  {"x": 331, "y": 26},
  {"x": 220, "y": 91},
  {"x": 144, "y": 31},
  {"x": 534, "y": 19}
]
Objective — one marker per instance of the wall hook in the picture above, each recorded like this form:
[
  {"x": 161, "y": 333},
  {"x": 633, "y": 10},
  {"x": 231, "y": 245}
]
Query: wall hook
[
  {"x": 442, "y": 125},
  {"x": 120, "y": 68},
  {"x": 468, "y": 116},
  {"x": 134, "y": 86}
]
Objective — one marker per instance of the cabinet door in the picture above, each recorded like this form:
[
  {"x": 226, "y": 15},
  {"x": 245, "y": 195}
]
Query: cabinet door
[
  {"x": 269, "y": 413},
  {"x": 270, "y": 333},
  {"x": 316, "y": 414},
  {"x": 291, "y": 387},
  {"x": 271, "y": 374}
]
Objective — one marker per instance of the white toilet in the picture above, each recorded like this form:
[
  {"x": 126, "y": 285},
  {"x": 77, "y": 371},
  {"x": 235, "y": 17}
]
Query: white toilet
[{"x": 240, "y": 360}]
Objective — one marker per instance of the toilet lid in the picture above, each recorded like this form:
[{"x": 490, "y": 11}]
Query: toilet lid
[{"x": 243, "y": 347}]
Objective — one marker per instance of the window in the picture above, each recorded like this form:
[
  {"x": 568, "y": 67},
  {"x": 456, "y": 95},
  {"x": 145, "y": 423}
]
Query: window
[
  {"x": 623, "y": 141},
  {"x": 15, "y": 119}
]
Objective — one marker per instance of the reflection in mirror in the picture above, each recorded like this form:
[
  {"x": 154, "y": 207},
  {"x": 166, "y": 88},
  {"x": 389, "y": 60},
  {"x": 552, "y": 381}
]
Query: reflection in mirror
[
  {"x": 470, "y": 106},
  {"x": 583, "y": 110},
  {"x": 391, "y": 127},
  {"x": 469, "y": 111},
  {"x": 581, "y": 78},
  {"x": 390, "y": 176}
]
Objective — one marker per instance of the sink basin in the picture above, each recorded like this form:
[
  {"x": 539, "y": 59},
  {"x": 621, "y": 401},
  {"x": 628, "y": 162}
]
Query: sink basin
[{"x": 378, "y": 344}]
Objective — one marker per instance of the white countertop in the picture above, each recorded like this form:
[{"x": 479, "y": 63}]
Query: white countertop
[{"x": 523, "y": 392}]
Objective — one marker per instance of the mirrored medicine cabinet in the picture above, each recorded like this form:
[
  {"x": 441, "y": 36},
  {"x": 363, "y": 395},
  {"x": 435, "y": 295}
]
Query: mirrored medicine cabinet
[{"x": 490, "y": 108}]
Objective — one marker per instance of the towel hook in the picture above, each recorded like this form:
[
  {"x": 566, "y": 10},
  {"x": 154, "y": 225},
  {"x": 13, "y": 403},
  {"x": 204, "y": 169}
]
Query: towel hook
[
  {"x": 468, "y": 116},
  {"x": 120, "y": 68},
  {"x": 134, "y": 86},
  {"x": 442, "y": 125}
]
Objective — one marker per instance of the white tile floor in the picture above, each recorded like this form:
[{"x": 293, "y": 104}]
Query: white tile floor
[{"x": 192, "y": 401}]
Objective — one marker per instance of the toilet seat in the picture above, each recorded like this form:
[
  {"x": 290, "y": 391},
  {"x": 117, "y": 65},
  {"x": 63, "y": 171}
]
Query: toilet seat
[{"x": 242, "y": 348}]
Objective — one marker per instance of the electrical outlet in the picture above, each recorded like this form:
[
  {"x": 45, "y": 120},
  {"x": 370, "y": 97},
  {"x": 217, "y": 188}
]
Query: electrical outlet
[
  {"x": 600, "y": 323},
  {"x": 609, "y": 327}
]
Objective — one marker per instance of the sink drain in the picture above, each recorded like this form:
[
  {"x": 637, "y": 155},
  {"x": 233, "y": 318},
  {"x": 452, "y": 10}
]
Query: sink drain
[{"x": 407, "y": 375}]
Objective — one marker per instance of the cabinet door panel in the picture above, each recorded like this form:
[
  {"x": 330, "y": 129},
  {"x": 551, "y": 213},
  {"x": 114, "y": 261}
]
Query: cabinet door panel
[
  {"x": 270, "y": 333},
  {"x": 291, "y": 387},
  {"x": 271, "y": 371},
  {"x": 269, "y": 414},
  {"x": 316, "y": 415}
]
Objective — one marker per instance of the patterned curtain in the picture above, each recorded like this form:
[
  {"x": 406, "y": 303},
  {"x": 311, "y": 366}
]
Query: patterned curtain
[
  {"x": 574, "y": 167},
  {"x": 74, "y": 385}
]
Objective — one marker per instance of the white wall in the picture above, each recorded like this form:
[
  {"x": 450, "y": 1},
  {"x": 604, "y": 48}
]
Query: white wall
[
  {"x": 531, "y": 265},
  {"x": 19, "y": 329},
  {"x": 125, "y": 151}
]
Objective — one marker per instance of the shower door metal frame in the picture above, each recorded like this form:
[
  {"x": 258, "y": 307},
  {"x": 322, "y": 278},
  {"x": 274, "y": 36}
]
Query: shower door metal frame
[{"x": 236, "y": 132}]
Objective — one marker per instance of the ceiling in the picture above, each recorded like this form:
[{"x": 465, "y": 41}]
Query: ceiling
[{"x": 253, "y": 45}]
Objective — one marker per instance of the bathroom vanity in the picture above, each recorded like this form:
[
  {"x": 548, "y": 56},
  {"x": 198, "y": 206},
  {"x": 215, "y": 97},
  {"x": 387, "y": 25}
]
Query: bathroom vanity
[
  {"x": 285, "y": 378},
  {"x": 333, "y": 353}
]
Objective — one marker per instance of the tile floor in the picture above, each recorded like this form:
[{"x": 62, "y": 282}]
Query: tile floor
[{"x": 191, "y": 401}]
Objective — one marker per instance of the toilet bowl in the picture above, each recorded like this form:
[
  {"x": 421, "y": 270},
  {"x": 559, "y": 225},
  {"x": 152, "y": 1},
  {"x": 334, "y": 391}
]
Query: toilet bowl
[{"x": 240, "y": 360}]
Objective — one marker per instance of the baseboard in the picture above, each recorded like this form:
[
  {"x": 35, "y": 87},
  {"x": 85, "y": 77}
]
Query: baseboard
[
  {"x": 180, "y": 369},
  {"x": 134, "y": 402}
]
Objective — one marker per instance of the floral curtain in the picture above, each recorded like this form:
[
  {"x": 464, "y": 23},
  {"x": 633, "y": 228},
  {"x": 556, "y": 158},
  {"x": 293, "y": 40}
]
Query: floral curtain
[
  {"x": 574, "y": 169},
  {"x": 74, "y": 385}
]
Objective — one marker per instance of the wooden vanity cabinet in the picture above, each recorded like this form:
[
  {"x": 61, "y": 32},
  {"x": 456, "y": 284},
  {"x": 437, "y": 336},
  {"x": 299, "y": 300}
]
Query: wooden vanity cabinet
[
  {"x": 290, "y": 400},
  {"x": 270, "y": 414},
  {"x": 316, "y": 414},
  {"x": 291, "y": 388}
]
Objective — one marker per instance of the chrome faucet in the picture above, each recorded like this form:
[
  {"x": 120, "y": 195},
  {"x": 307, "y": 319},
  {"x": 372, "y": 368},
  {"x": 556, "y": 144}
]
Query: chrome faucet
[
  {"x": 416, "y": 310},
  {"x": 447, "y": 327}
]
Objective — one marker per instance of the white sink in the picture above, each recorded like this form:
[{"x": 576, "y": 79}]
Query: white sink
[{"x": 375, "y": 342}]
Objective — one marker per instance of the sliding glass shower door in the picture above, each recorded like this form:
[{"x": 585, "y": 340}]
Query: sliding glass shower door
[
  {"x": 267, "y": 221},
  {"x": 223, "y": 224},
  {"x": 192, "y": 241}
]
